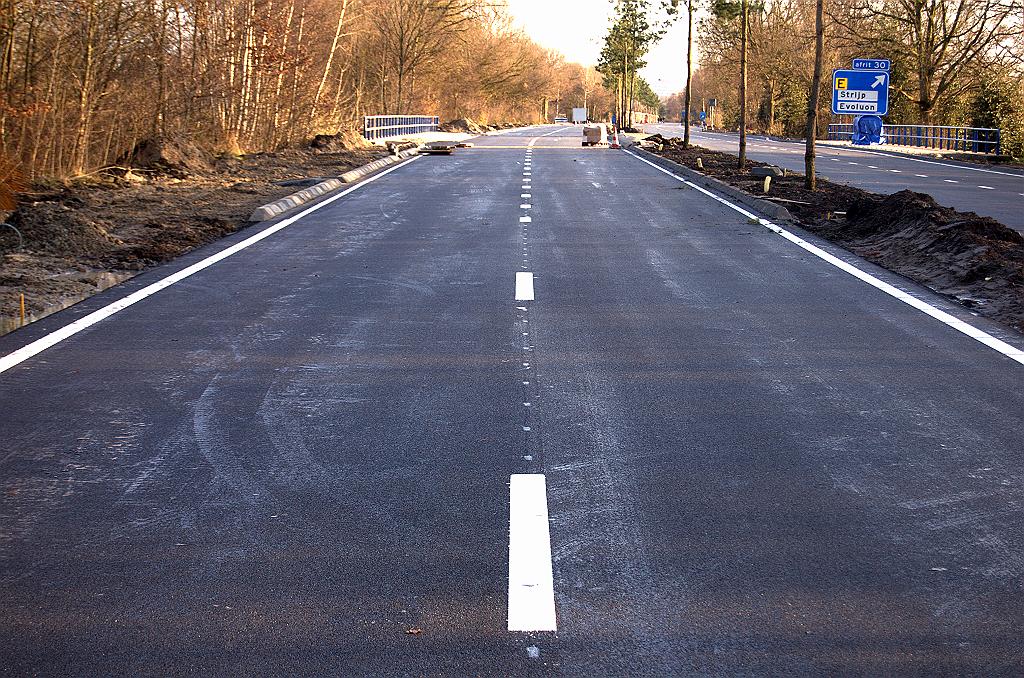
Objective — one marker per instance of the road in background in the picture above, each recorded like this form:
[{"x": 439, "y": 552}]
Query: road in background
[
  {"x": 298, "y": 460},
  {"x": 989, "y": 191}
]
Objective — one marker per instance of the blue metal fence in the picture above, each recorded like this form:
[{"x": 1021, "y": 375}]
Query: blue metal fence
[
  {"x": 969, "y": 139},
  {"x": 384, "y": 126}
]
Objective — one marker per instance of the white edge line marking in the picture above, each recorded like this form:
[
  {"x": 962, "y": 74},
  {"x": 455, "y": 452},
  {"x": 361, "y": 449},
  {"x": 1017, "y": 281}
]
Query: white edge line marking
[
  {"x": 531, "y": 589},
  {"x": 39, "y": 345},
  {"x": 524, "y": 286},
  {"x": 980, "y": 336}
]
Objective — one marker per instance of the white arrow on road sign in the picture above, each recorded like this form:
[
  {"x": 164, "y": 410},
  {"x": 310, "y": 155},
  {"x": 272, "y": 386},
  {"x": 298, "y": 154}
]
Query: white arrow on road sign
[{"x": 880, "y": 80}]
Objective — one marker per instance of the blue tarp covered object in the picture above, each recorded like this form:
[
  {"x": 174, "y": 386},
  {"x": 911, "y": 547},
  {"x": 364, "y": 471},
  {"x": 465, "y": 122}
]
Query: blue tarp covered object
[{"x": 867, "y": 129}]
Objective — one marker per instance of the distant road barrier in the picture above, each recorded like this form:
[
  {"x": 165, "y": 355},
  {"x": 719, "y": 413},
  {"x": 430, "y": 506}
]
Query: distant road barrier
[
  {"x": 384, "y": 126},
  {"x": 971, "y": 139}
]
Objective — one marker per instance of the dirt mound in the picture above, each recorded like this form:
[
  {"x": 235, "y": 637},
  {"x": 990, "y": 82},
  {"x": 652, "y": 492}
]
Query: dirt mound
[
  {"x": 345, "y": 140},
  {"x": 54, "y": 228},
  {"x": 158, "y": 241},
  {"x": 977, "y": 260},
  {"x": 907, "y": 209},
  {"x": 463, "y": 125},
  {"x": 177, "y": 157}
]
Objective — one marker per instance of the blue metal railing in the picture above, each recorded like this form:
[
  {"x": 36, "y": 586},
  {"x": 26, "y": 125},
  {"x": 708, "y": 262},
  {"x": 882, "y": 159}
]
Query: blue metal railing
[
  {"x": 940, "y": 137},
  {"x": 384, "y": 126}
]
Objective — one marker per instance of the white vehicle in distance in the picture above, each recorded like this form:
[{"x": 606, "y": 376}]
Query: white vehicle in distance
[{"x": 561, "y": 119}]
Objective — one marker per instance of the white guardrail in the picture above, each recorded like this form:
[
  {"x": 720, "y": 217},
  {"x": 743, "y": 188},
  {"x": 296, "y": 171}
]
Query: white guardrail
[{"x": 384, "y": 126}]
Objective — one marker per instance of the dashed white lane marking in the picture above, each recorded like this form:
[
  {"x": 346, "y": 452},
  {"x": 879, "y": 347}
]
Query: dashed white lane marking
[
  {"x": 39, "y": 345},
  {"x": 531, "y": 589},
  {"x": 525, "y": 195},
  {"x": 951, "y": 181},
  {"x": 525, "y": 206},
  {"x": 985, "y": 338},
  {"x": 872, "y": 167},
  {"x": 853, "y": 163},
  {"x": 525, "y": 220},
  {"x": 922, "y": 176},
  {"x": 893, "y": 156},
  {"x": 896, "y": 171},
  {"x": 527, "y": 174},
  {"x": 987, "y": 188},
  {"x": 524, "y": 286},
  {"x": 941, "y": 164}
]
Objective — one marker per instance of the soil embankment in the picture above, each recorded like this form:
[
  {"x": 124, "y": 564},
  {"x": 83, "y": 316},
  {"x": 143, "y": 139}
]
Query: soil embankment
[{"x": 975, "y": 260}]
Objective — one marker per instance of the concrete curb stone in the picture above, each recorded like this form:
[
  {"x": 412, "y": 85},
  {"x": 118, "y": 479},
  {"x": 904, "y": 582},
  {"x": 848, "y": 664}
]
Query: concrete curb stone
[
  {"x": 278, "y": 207},
  {"x": 766, "y": 207}
]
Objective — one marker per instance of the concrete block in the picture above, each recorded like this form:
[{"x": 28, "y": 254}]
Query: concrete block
[{"x": 770, "y": 171}]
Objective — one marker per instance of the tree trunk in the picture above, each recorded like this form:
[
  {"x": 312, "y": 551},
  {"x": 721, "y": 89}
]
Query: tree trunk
[
  {"x": 689, "y": 73},
  {"x": 743, "y": 85},
  {"x": 84, "y": 118},
  {"x": 810, "y": 180},
  {"x": 330, "y": 61}
]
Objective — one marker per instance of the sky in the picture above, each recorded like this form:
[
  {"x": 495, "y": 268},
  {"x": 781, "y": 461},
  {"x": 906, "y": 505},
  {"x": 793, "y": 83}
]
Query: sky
[{"x": 576, "y": 28}]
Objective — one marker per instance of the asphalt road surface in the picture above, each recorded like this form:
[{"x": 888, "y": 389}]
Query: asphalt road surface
[
  {"x": 990, "y": 191},
  {"x": 513, "y": 412}
]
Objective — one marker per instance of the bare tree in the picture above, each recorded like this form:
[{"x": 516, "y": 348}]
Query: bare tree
[
  {"x": 810, "y": 179},
  {"x": 416, "y": 31},
  {"x": 937, "y": 39},
  {"x": 744, "y": 23}
]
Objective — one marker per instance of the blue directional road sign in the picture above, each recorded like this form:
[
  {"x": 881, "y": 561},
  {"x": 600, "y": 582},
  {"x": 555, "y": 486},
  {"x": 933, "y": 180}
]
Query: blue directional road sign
[
  {"x": 872, "y": 65},
  {"x": 860, "y": 92},
  {"x": 703, "y": 115}
]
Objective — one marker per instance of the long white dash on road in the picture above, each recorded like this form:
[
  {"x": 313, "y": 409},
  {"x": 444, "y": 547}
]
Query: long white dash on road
[
  {"x": 524, "y": 286},
  {"x": 980, "y": 336},
  {"x": 531, "y": 588},
  {"x": 39, "y": 345}
]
